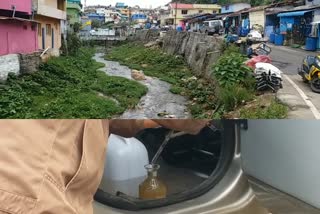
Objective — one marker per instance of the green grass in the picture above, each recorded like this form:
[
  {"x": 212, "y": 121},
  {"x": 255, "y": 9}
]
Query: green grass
[
  {"x": 68, "y": 87},
  {"x": 158, "y": 64},
  {"x": 172, "y": 70},
  {"x": 208, "y": 99},
  {"x": 274, "y": 111}
]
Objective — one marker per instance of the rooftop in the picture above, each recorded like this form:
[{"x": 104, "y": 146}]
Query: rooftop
[{"x": 193, "y": 6}]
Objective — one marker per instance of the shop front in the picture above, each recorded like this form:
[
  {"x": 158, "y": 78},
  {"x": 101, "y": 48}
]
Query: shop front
[{"x": 295, "y": 27}]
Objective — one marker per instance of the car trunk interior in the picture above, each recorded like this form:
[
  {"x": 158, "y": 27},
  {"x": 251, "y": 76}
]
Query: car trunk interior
[{"x": 185, "y": 163}]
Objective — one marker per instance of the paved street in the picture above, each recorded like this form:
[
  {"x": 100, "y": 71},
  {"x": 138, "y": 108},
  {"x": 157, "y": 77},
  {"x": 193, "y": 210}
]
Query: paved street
[{"x": 288, "y": 60}]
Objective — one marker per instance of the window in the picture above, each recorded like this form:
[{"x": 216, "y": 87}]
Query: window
[
  {"x": 48, "y": 29},
  {"x": 39, "y": 29},
  {"x": 214, "y": 11},
  {"x": 61, "y": 5},
  {"x": 184, "y": 12},
  {"x": 200, "y": 11}
]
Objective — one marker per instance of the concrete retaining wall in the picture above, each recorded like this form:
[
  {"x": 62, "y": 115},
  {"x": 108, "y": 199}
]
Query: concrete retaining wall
[
  {"x": 18, "y": 64},
  {"x": 199, "y": 50}
]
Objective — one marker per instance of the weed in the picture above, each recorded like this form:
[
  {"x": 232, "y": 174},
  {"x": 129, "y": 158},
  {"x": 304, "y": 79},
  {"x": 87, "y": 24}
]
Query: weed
[
  {"x": 170, "y": 69},
  {"x": 274, "y": 111},
  {"x": 67, "y": 87}
]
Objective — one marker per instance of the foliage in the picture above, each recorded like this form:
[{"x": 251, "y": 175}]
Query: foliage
[
  {"x": 172, "y": 70},
  {"x": 68, "y": 87},
  {"x": 252, "y": 2},
  {"x": 274, "y": 111},
  {"x": 95, "y": 24},
  {"x": 230, "y": 69},
  {"x": 76, "y": 27},
  {"x": 72, "y": 45},
  {"x": 232, "y": 96}
]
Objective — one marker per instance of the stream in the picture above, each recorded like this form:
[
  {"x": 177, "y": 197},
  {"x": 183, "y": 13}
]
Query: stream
[{"x": 157, "y": 100}]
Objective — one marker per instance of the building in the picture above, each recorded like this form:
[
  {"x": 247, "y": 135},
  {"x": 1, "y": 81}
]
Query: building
[
  {"x": 232, "y": 8},
  {"x": 177, "y": 12},
  {"x": 120, "y": 5},
  {"x": 312, "y": 2},
  {"x": 257, "y": 16},
  {"x": 101, "y": 10},
  {"x": 73, "y": 11},
  {"x": 18, "y": 32},
  {"x": 99, "y": 17},
  {"x": 51, "y": 16},
  {"x": 139, "y": 18}
]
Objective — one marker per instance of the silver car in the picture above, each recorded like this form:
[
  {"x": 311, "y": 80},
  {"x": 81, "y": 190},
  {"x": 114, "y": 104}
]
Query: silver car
[
  {"x": 203, "y": 174},
  {"x": 212, "y": 27}
]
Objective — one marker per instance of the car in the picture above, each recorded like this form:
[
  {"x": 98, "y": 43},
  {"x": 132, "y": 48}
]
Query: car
[
  {"x": 212, "y": 27},
  {"x": 203, "y": 174}
]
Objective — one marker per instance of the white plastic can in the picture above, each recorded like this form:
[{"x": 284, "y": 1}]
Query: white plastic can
[{"x": 124, "y": 167}]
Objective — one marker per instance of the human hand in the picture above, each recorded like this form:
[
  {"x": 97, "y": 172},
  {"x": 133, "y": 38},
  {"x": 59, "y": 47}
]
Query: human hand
[{"x": 190, "y": 126}]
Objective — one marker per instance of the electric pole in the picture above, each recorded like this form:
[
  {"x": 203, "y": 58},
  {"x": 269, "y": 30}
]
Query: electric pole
[{"x": 175, "y": 16}]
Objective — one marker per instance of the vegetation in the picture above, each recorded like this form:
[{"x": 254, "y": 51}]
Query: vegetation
[
  {"x": 68, "y": 87},
  {"x": 237, "y": 87},
  {"x": 223, "y": 2},
  {"x": 172, "y": 70},
  {"x": 232, "y": 87},
  {"x": 274, "y": 111},
  {"x": 96, "y": 24}
]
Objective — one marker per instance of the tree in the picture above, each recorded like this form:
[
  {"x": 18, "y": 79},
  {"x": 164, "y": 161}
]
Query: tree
[
  {"x": 76, "y": 27},
  {"x": 95, "y": 24}
]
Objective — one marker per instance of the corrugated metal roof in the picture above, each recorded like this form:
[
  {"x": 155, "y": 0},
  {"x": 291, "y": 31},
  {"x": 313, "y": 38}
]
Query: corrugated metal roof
[{"x": 294, "y": 13}]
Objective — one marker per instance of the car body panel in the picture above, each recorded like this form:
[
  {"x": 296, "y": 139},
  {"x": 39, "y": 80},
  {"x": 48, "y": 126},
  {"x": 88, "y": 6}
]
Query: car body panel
[{"x": 285, "y": 155}]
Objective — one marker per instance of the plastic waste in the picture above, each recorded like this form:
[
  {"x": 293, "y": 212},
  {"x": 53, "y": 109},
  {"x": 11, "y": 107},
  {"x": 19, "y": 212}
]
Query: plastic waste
[
  {"x": 255, "y": 34},
  {"x": 267, "y": 67},
  {"x": 257, "y": 59},
  {"x": 124, "y": 167}
]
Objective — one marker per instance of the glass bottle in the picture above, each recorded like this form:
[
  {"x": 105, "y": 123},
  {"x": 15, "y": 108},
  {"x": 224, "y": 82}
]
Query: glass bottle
[{"x": 152, "y": 187}]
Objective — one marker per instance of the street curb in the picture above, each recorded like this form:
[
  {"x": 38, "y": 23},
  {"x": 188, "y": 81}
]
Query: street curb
[{"x": 297, "y": 108}]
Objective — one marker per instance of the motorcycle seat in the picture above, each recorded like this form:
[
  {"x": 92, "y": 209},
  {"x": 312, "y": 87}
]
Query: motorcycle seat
[{"x": 310, "y": 60}]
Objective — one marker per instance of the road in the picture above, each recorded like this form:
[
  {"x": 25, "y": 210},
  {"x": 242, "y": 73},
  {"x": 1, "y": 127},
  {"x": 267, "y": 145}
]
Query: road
[{"x": 288, "y": 60}]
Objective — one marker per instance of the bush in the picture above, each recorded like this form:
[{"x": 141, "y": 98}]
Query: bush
[
  {"x": 68, "y": 87},
  {"x": 229, "y": 49},
  {"x": 72, "y": 45},
  {"x": 230, "y": 69},
  {"x": 234, "y": 95}
]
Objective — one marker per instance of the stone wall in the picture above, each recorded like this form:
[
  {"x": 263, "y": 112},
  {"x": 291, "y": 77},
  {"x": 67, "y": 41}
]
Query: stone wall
[
  {"x": 29, "y": 63},
  {"x": 18, "y": 64},
  {"x": 9, "y": 64},
  {"x": 145, "y": 35},
  {"x": 199, "y": 50}
]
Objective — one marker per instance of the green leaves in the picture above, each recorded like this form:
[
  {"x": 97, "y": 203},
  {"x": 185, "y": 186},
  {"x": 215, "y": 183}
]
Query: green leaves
[
  {"x": 230, "y": 68},
  {"x": 67, "y": 87}
]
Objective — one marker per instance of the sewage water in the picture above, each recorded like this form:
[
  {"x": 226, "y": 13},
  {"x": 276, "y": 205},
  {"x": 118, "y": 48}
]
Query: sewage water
[{"x": 157, "y": 100}]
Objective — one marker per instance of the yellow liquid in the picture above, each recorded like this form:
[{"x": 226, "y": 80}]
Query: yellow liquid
[{"x": 152, "y": 188}]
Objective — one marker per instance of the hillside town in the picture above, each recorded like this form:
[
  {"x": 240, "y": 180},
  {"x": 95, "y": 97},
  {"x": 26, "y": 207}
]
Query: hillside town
[
  {"x": 280, "y": 34},
  {"x": 45, "y": 23}
]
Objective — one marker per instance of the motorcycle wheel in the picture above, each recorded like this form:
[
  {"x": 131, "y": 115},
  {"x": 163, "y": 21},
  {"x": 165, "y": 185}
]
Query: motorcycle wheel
[{"x": 315, "y": 84}]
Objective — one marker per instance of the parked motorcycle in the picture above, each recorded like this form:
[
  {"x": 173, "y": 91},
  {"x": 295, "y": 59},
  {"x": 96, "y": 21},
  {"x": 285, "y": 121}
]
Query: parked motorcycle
[{"x": 310, "y": 72}]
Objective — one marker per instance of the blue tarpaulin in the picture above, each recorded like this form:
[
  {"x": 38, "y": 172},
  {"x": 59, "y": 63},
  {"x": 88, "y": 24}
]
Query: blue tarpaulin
[{"x": 295, "y": 13}]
